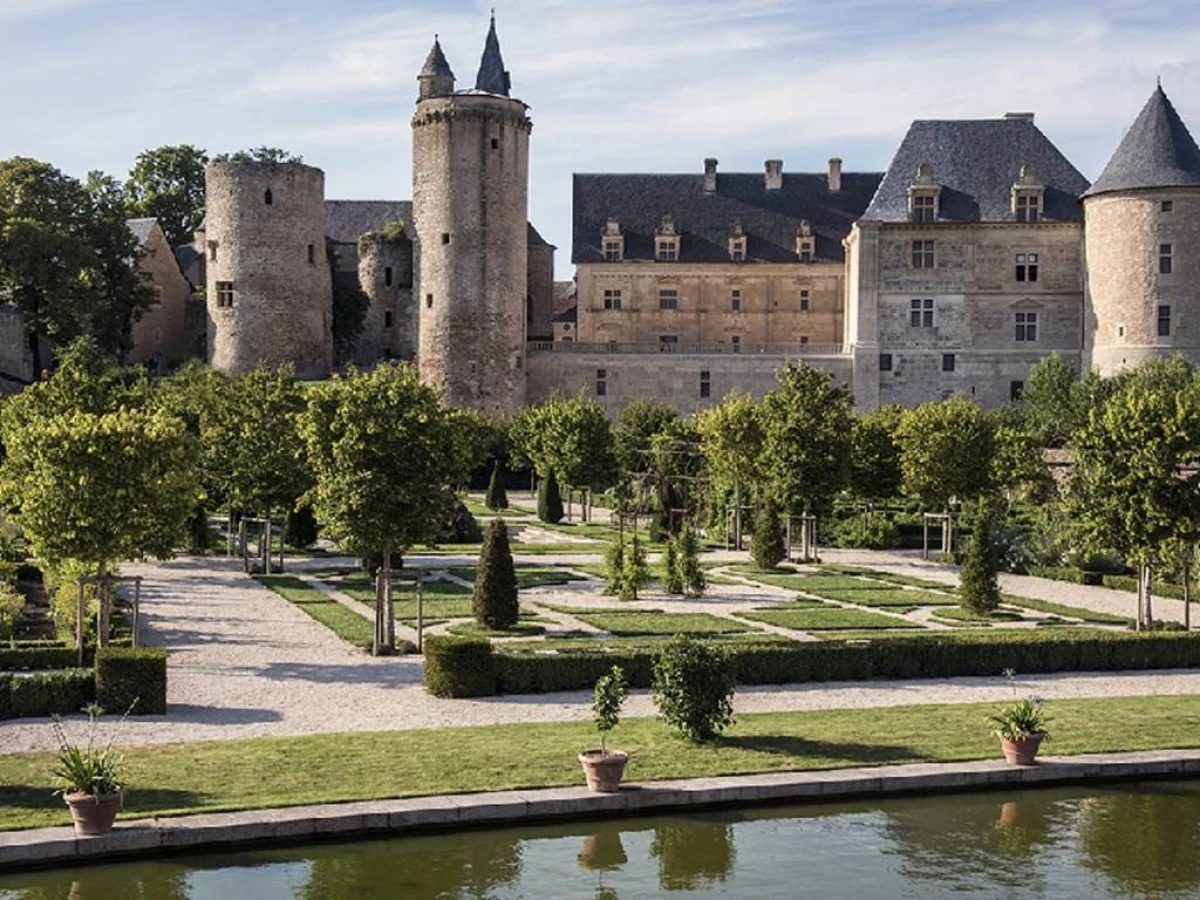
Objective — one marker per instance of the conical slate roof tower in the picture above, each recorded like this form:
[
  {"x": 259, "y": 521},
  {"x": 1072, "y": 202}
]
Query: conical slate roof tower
[
  {"x": 492, "y": 76},
  {"x": 1158, "y": 151}
]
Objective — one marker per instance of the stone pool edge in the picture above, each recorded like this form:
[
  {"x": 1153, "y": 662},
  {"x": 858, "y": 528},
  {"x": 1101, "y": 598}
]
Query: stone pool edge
[{"x": 45, "y": 847}]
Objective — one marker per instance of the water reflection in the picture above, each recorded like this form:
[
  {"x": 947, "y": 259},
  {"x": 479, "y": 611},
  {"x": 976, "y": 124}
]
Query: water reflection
[{"x": 693, "y": 852}]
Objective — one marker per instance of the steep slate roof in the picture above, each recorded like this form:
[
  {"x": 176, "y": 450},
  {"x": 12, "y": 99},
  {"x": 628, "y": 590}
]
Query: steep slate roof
[
  {"x": 705, "y": 221},
  {"x": 567, "y": 315},
  {"x": 141, "y": 228},
  {"x": 347, "y": 220},
  {"x": 492, "y": 77},
  {"x": 976, "y": 163},
  {"x": 435, "y": 63},
  {"x": 532, "y": 236},
  {"x": 1158, "y": 151}
]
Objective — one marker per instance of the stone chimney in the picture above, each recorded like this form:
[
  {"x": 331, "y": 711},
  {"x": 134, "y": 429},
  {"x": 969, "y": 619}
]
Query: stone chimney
[
  {"x": 774, "y": 176},
  {"x": 710, "y": 175},
  {"x": 835, "y": 174}
]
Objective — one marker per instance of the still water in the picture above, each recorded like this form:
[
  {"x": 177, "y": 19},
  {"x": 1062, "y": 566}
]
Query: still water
[{"x": 1115, "y": 842}]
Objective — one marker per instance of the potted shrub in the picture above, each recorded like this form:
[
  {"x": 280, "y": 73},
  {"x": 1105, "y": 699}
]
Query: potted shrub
[
  {"x": 89, "y": 778},
  {"x": 1021, "y": 727},
  {"x": 605, "y": 767}
]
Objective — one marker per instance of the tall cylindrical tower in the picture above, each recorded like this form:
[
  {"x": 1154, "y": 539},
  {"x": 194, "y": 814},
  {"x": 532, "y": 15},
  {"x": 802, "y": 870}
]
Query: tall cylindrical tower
[
  {"x": 1142, "y": 245},
  {"x": 385, "y": 275},
  {"x": 470, "y": 199},
  {"x": 269, "y": 290}
]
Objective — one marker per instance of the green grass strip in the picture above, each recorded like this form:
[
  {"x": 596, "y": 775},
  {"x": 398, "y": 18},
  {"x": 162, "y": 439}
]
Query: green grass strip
[
  {"x": 828, "y": 619},
  {"x": 352, "y": 628},
  {"x": 177, "y": 779},
  {"x": 1061, "y": 609},
  {"x": 635, "y": 623},
  {"x": 890, "y": 597},
  {"x": 958, "y": 614},
  {"x": 890, "y": 577}
]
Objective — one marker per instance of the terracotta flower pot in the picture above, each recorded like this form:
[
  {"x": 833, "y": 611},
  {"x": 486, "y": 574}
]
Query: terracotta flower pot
[
  {"x": 603, "y": 770},
  {"x": 94, "y": 815},
  {"x": 1021, "y": 752}
]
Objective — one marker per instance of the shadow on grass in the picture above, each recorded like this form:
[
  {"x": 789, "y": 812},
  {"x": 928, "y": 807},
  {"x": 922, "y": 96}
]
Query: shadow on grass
[
  {"x": 787, "y": 745},
  {"x": 141, "y": 800}
]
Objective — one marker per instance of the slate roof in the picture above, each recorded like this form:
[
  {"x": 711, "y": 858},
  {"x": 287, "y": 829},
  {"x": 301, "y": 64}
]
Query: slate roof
[
  {"x": 705, "y": 221},
  {"x": 492, "y": 77},
  {"x": 532, "y": 236},
  {"x": 435, "y": 63},
  {"x": 347, "y": 220},
  {"x": 1158, "y": 151},
  {"x": 141, "y": 228},
  {"x": 567, "y": 315},
  {"x": 976, "y": 163}
]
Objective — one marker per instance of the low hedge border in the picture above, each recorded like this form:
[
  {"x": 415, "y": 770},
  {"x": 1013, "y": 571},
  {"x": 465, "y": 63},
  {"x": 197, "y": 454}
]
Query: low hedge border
[
  {"x": 509, "y": 669},
  {"x": 45, "y": 693},
  {"x": 133, "y": 679},
  {"x": 34, "y": 655}
]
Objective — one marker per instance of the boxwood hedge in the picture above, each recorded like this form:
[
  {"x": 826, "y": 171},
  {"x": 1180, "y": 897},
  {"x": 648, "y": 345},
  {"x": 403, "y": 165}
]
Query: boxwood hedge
[
  {"x": 132, "y": 678},
  {"x": 43, "y": 693},
  {"x": 459, "y": 667}
]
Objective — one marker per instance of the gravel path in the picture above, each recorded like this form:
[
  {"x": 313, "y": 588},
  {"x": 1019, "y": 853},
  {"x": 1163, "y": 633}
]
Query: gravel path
[{"x": 246, "y": 663}]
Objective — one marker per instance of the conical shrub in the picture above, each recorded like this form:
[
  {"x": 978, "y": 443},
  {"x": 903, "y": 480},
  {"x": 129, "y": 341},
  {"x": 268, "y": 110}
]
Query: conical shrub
[
  {"x": 978, "y": 589},
  {"x": 691, "y": 575},
  {"x": 497, "y": 497},
  {"x": 672, "y": 577},
  {"x": 767, "y": 546},
  {"x": 495, "y": 599},
  {"x": 550, "y": 505}
]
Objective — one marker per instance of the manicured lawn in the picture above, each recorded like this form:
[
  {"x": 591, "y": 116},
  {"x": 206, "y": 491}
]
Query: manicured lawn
[
  {"x": 527, "y": 576},
  {"x": 958, "y": 614},
  {"x": 827, "y": 619},
  {"x": 443, "y": 599},
  {"x": 523, "y": 628},
  {"x": 635, "y": 623},
  {"x": 1061, "y": 609},
  {"x": 800, "y": 602},
  {"x": 812, "y": 583},
  {"x": 213, "y": 776},
  {"x": 895, "y": 597},
  {"x": 891, "y": 578},
  {"x": 593, "y": 610},
  {"x": 345, "y": 624},
  {"x": 965, "y": 631},
  {"x": 596, "y": 570}
]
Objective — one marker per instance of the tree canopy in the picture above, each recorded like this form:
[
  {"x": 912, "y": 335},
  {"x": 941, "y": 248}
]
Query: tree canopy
[
  {"x": 946, "y": 451},
  {"x": 570, "y": 435},
  {"x": 167, "y": 183}
]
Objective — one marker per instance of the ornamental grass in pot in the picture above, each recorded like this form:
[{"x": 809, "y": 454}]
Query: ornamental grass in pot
[
  {"x": 603, "y": 767},
  {"x": 90, "y": 779},
  {"x": 1021, "y": 727}
]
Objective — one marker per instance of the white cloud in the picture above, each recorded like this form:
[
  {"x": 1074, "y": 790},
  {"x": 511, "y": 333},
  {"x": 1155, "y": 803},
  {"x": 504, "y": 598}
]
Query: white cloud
[{"x": 13, "y": 9}]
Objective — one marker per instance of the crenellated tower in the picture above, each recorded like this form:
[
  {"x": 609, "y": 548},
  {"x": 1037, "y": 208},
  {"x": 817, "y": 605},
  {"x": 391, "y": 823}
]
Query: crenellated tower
[{"x": 470, "y": 202}]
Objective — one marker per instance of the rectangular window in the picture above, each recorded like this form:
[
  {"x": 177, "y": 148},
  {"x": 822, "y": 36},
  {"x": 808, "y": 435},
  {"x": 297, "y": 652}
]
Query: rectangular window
[
  {"x": 1165, "y": 261},
  {"x": 612, "y": 300},
  {"x": 495, "y": 144},
  {"x": 1027, "y": 267},
  {"x": 803, "y": 339},
  {"x": 387, "y": 276},
  {"x": 736, "y": 341},
  {"x": 1168, "y": 206},
  {"x": 667, "y": 343},
  {"x": 922, "y": 254},
  {"x": 947, "y": 362},
  {"x": 1164, "y": 321},
  {"x": 705, "y": 384},
  {"x": 429, "y": 301},
  {"x": 212, "y": 251},
  {"x": 668, "y": 298},
  {"x": 806, "y": 256},
  {"x": 921, "y": 313},
  {"x": 924, "y": 207},
  {"x": 735, "y": 300},
  {"x": 387, "y": 318},
  {"x": 803, "y": 300},
  {"x": 1029, "y": 207},
  {"x": 445, "y": 237},
  {"x": 224, "y": 294},
  {"x": 737, "y": 251},
  {"x": 1026, "y": 325},
  {"x": 602, "y": 382},
  {"x": 612, "y": 251},
  {"x": 668, "y": 251},
  {"x": 1015, "y": 390},
  {"x": 885, "y": 362}
]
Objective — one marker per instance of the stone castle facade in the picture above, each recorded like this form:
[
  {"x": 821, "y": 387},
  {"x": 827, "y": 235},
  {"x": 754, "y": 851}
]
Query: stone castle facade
[{"x": 979, "y": 252}]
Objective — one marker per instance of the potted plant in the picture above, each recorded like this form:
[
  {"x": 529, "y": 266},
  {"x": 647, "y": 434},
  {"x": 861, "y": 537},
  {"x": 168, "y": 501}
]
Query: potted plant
[
  {"x": 1021, "y": 727},
  {"x": 605, "y": 767},
  {"x": 89, "y": 778}
]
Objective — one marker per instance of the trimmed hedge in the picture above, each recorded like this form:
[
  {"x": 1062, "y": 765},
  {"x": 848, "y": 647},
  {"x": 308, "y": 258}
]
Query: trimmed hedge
[
  {"x": 66, "y": 691},
  {"x": 459, "y": 667},
  {"x": 1068, "y": 574},
  {"x": 49, "y": 656},
  {"x": 525, "y": 670},
  {"x": 132, "y": 677}
]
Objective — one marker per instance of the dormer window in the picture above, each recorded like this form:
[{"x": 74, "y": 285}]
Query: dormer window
[
  {"x": 612, "y": 242},
  {"x": 924, "y": 196},
  {"x": 737, "y": 244},
  {"x": 1027, "y": 196},
  {"x": 666, "y": 241},
  {"x": 806, "y": 242}
]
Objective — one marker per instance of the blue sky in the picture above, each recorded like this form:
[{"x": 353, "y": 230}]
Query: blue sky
[{"x": 614, "y": 85}]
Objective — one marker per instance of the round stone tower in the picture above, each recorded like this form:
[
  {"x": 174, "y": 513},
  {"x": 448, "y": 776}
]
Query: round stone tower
[
  {"x": 470, "y": 199},
  {"x": 385, "y": 275},
  {"x": 1142, "y": 245},
  {"x": 269, "y": 290}
]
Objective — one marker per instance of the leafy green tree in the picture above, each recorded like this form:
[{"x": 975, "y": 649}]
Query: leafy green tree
[
  {"x": 731, "y": 439},
  {"x": 100, "y": 488},
  {"x": 495, "y": 599},
  {"x": 383, "y": 456},
  {"x": 875, "y": 474},
  {"x": 688, "y": 561},
  {"x": 978, "y": 589},
  {"x": 1057, "y": 401},
  {"x": 167, "y": 183},
  {"x": 478, "y": 438},
  {"x": 807, "y": 422},
  {"x": 614, "y": 565},
  {"x": 570, "y": 435},
  {"x": 637, "y": 424},
  {"x": 767, "y": 544},
  {"x": 496, "y": 497},
  {"x": 636, "y": 572},
  {"x": 549, "y": 505},
  {"x": 693, "y": 688},
  {"x": 269, "y": 155},
  {"x": 1017, "y": 461},
  {"x": 672, "y": 577},
  {"x": 945, "y": 451}
]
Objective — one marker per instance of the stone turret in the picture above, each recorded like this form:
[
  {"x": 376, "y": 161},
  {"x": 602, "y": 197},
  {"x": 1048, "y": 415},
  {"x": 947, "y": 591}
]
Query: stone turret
[
  {"x": 269, "y": 290},
  {"x": 436, "y": 79},
  {"x": 470, "y": 200},
  {"x": 1142, "y": 245}
]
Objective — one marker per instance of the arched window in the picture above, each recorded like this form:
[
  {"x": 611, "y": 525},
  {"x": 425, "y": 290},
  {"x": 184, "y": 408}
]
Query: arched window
[{"x": 268, "y": 197}]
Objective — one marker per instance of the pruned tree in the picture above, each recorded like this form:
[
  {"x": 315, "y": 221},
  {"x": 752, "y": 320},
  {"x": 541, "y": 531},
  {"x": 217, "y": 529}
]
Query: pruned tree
[
  {"x": 495, "y": 599},
  {"x": 731, "y": 439},
  {"x": 638, "y": 423},
  {"x": 167, "y": 183},
  {"x": 570, "y": 435},
  {"x": 978, "y": 589}
]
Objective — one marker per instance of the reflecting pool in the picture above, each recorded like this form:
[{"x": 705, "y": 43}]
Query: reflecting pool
[{"x": 1113, "y": 842}]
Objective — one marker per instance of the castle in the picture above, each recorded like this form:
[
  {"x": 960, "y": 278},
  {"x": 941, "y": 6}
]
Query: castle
[{"x": 980, "y": 251}]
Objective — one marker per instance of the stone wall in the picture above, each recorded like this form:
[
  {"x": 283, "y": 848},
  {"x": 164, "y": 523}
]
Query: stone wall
[
  {"x": 273, "y": 253},
  {"x": 1125, "y": 287},
  {"x": 470, "y": 201},
  {"x": 674, "y": 378},
  {"x": 162, "y": 331},
  {"x": 390, "y": 328},
  {"x": 540, "y": 292}
]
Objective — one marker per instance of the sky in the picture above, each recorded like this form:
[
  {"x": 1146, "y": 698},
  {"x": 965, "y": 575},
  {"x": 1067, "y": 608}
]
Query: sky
[{"x": 613, "y": 85}]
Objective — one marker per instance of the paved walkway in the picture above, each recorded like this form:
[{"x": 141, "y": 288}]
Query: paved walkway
[{"x": 245, "y": 663}]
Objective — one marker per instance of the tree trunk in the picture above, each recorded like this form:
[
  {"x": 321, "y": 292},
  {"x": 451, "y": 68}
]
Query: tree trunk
[
  {"x": 1187, "y": 587},
  {"x": 1149, "y": 594},
  {"x": 265, "y": 544},
  {"x": 80, "y": 615},
  {"x": 389, "y": 608},
  {"x": 1141, "y": 593},
  {"x": 105, "y": 604},
  {"x": 737, "y": 516}
]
